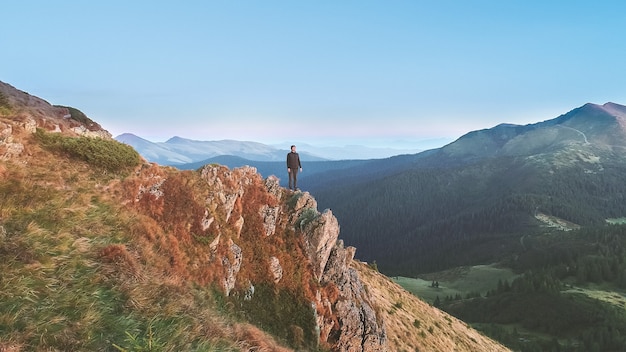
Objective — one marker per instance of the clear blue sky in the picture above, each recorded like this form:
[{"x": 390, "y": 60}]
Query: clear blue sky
[{"x": 337, "y": 72}]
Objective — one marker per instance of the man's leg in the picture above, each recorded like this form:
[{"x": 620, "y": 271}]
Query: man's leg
[
  {"x": 290, "y": 179},
  {"x": 295, "y": 179}
]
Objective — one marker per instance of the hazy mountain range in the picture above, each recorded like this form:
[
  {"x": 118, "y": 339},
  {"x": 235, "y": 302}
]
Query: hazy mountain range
[{"x": 178, "y": 151}]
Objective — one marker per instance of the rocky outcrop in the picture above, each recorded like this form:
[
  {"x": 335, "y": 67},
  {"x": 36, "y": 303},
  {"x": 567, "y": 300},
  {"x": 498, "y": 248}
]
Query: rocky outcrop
[
  {"x": 86, "y": 132},
  {"x": 29, "y": 113},
  {"x": 352, "y": 324},
  {"x": 346, "y": 320},
  {"x": 232, "y": 263},
  {"x": 275, "y": 269},
  {"x": 226, "y": 187},
  {"x": 361, "y": 329},
  {"x": 270, "y": 217},
  {"x": 321, "y": 236},
  {"x": 8, "y": 148}
]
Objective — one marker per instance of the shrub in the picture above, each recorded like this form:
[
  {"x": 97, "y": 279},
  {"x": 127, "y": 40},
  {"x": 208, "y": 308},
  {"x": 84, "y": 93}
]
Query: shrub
[
  {"x": 77, "y": 115},
  {"x": 307, "y": 216},
  {"x": 109, "y": 155},
  {"x": 284, "y": 314},
  {"x": 5, "y": 106}
]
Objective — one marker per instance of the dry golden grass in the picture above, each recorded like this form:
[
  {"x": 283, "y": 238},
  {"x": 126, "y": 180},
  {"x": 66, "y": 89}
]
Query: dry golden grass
[{"x": 413, "y": 325}]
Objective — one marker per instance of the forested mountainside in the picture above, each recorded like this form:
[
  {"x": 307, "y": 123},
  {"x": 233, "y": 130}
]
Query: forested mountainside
[
  {"x": 545, "y": 200},
  {"x": 103, "y": 251},
  {"x": 482, "y": 191}
]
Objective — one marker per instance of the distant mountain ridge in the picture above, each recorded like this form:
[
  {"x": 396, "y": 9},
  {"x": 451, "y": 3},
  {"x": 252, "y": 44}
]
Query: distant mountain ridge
[
  {"x": 602, "y": 125},
  {"x": 179, "y": 151},
  {"x": 545, "y": 201},
  {"x": 487, "y": 183}
]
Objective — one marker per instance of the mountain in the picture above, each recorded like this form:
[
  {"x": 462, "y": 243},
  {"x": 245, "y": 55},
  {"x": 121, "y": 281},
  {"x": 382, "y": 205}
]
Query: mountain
[
  {"x": 416, "y": 196},
  {"x": 543, "y": 203},
  {"x": 179, "y": 151},
  {"x": 154, "y": 152},
  {"x": 600, "y": 125},
  {"x": 364, "y": 152},
  {"x": 104, "y": 251}
]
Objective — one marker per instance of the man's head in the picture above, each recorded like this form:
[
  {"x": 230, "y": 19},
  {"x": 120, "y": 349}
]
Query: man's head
[{"x": 293, "y": 148}]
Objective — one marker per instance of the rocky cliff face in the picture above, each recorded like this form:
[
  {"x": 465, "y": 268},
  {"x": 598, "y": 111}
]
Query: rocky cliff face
[{"x": 346, "y": 321}]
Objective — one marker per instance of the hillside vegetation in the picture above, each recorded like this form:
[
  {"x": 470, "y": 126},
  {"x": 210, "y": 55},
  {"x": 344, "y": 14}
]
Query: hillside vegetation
[
  {"x": 440, "y": 218},
  {"x": 103, "y": 251}
]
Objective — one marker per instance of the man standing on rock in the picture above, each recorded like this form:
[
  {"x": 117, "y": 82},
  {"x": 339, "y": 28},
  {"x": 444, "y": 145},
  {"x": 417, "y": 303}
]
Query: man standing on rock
[{"x": 293, "y": 164}]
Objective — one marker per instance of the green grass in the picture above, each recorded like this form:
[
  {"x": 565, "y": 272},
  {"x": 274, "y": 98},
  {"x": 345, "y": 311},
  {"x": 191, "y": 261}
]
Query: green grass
[
  {"x": 284, "y": 314},
  {"x": 475, "y": 279},
  {"x": 604, "y": 292},
  {"x": 616, "y": 221}
]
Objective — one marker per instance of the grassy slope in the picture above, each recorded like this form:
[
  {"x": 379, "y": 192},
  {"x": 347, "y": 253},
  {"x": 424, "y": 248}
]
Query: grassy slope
[
  {"x": 462, "y": 281},
  {"x": 76, "y": 276},
  {"x": 413, "y": 325}
]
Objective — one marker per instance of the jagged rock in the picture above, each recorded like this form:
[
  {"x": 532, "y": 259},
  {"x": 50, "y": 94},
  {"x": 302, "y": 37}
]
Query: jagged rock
[
  {"x": 272, "y": 183},
  {"x": 275, "y": 269},
  {"x": 207, "y": 220},
  {"x": 154, "y": 188},
  {"x": 303, "y": 201},
  {"x": 321, "y": 234},
  {"x": 239, "y": 226},
  {"x": 224, "y": 193},
  {"x": 11, "y": 150},
  {"x": 232, "y": 265},
  {"x": 360, "y": 329},
  {"x": 30, "y": 125},
  {"x": 270, "y": 216},
  {"x": 209, "y": 174},
  {"x": 229, "y": 201},
  {"x": 246, "y": 174},
  {"x": 84, "y": 131},
  {"x": 8, "y": 148}
]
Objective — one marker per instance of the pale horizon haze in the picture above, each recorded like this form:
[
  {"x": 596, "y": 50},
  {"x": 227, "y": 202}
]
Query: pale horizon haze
[{"x": 373, "y": 73}]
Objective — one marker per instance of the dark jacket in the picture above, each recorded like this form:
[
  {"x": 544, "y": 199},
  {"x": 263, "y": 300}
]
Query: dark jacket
[{"x": 293, "y": 160}]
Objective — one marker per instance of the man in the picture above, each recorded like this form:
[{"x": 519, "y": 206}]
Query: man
[{"x": 293, "y": 164}]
